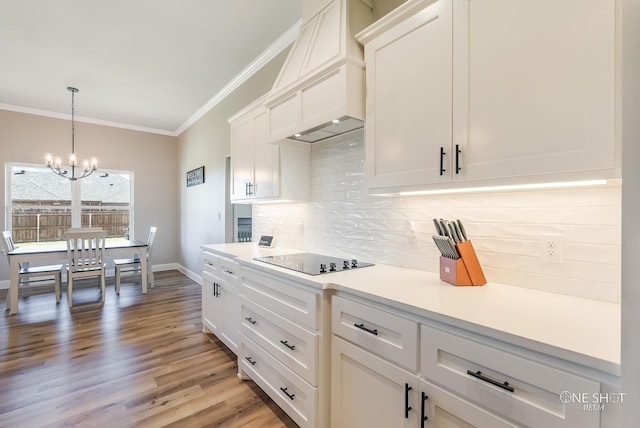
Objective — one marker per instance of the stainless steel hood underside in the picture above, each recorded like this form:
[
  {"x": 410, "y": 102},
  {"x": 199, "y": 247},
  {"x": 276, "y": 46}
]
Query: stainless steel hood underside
[{"x": 329, "y": 129}]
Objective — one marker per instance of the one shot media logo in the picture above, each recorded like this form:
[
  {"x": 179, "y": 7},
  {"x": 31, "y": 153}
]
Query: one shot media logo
[{"x": 592, "y": 401}]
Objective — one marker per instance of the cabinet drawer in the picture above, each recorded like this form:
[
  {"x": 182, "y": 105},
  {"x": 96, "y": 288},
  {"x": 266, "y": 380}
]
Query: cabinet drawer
[
  {"x": 229, "y": 271},
  {"x": 390, "y": 336},
  {"x": 442, "y": 407},
  {"x": 512, "y": 386},
  {"x": 284, "y": 297},
  {"x": 295, "y": 346},
  {"x": 290, "y": 392},
  {"x": 210, "y": 262}
]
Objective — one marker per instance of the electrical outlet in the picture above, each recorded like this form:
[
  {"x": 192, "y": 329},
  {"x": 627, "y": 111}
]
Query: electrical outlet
[{"x": 551, "y": 248}]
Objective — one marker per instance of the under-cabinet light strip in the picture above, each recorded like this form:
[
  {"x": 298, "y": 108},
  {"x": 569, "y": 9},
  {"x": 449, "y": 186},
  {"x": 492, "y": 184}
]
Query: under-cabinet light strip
[{"x": 531, "y": 186}]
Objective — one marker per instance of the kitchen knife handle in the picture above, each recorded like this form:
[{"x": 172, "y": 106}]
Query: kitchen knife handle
[
  {"x": 437, "y": 225},
  {"x": 443, "y": 226},
  {"x": 442, "y": 153},
  {"x": 454, "y": 233},
  {"x": 458, "y": 151},
  {"x": 462, "y": 230}
]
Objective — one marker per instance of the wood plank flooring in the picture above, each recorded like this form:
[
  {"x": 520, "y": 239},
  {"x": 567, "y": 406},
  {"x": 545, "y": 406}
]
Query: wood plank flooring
[{"x": 136, "y": 361}]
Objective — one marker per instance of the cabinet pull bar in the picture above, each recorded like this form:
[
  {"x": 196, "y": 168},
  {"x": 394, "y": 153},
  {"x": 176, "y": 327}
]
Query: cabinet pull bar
[
  {"x": 246, "y": 189},
  {"x": 287, "y": 393},
  {"x": 227, "y": 271},
  {"x": 251, "y": 360},
  {"x": 407, "y": 407},
  {"x": 479, "y": 375},
  {"x": 368, "y": 330},
  {"x": 423, "y": 417},
  {"x": 458, "y": 151},
  {"x": 251, "y": 320},
  {"x": 286, "y": 343},
  {"x": 442, "y": 153}
]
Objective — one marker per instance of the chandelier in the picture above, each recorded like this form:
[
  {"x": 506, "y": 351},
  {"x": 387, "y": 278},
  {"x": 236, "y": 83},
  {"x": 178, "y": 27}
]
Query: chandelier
[{"x": 55, "y": 164}]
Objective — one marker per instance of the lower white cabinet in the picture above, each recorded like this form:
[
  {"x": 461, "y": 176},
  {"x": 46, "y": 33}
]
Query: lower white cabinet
[
  {"x": 514, "y": 386},
  {"x": 370, "y": 392},
  {"x": 284, "y": 349},
  {"x": 463, "y": 379},
  {"x": 443, "y": 409},
  {"x": 333, "y": 359},
  {"x": 295, "y": 396},
  {"x": 367, "y": 391},
  {"x": 220, "y": 304}
]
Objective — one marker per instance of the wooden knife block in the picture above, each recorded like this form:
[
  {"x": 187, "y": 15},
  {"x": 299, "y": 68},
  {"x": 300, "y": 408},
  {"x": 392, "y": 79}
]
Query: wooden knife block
[{"x": 463, "y": 271}]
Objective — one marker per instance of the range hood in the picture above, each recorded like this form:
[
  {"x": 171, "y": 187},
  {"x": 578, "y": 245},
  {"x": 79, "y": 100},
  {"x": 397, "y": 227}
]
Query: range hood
[{"x": 319, "y": 92}]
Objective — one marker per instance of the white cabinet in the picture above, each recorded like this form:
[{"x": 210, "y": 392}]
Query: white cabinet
[
  {"x": 220, "y": 305},
  {"x": 462, "y": 380},
  {"x": 467, "y": 92},
  {"x": 370, "y": 392},
  {"x": 373, "y": 366},
  {"x": 390, "y": 336},
  {"x": 284, "y": 344},
  {"x": 515, "y": 387},
  {"x": 440, "y": 408},
  {"x": 263, "y": 171},
  {"x": 367, "y": 391},
  {"x": 409, "y": 104}
]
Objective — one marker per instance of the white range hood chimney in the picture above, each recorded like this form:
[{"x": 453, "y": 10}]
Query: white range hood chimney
[{"x": 319, "y": 92}]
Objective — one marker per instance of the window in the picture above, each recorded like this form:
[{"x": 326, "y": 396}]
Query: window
[{"x": 40, "y": 203}]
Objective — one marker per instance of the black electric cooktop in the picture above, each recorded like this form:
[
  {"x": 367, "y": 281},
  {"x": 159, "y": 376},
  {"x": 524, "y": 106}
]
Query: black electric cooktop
[{"x": 313, "y": 264}]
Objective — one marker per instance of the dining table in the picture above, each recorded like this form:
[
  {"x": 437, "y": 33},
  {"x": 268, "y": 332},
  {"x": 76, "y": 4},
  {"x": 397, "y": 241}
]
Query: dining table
[{"x": 56, "y": 252}]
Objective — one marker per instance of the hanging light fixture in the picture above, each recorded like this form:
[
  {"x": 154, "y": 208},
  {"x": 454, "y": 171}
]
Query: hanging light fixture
[{"x": 55, "y": 164}]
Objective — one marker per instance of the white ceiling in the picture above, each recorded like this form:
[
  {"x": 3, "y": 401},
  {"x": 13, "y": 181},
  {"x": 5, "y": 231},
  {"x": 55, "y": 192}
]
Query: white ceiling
[{"x": 143, "y": 64}]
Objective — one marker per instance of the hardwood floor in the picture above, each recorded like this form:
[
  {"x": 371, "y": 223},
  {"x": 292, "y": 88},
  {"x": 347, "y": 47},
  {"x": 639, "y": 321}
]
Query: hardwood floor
[{"x": 138, "y": 360}]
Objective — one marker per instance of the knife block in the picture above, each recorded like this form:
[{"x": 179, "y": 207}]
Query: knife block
[{"x": 463, "y": 271}]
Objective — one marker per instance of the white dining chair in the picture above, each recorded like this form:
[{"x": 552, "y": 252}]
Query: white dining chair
[
  {"x": 133, "y": 265},
  {"x": 31, "y": 276},
  {"x": 85, "y": 257}
]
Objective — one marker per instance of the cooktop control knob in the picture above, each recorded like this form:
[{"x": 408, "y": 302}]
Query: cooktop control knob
[
  {"x": 345, "y": 264},
  {"x": 323, "y": 268},
  {"x": 332, "y": 267},
  {"x": 354, "y": 263}
]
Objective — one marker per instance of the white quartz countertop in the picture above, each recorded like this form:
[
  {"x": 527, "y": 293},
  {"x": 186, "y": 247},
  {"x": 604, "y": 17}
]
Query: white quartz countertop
[{"x": 582, "y": 331}]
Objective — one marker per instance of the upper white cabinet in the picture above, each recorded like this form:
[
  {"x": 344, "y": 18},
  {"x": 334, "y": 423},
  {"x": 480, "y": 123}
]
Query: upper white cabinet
[
  {"x": 263, "y": 171},
  {"x": 490, "y": 92}
]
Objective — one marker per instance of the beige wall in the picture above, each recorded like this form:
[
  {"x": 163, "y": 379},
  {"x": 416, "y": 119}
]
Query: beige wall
[
  {"x": 202, "y": 207},
  {"x": 27, "y": 138}
]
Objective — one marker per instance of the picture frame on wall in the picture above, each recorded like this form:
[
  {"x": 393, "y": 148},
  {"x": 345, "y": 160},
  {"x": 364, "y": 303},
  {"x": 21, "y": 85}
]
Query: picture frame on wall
[{"x": 195, "y": 176}]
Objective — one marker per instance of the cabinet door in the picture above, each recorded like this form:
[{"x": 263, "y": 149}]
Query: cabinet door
[
  {"x": 266, "y": 159},
  {"x": 241, "y": 157},
  {"x": 445, "y": 410},
  {"x": 409, "y": 106},
  {"x": 211, "y": 314},
  {"x": 230, "y": 307},
  {"x": 534, "y": 87},
  {"x": 369, "y": 392}
]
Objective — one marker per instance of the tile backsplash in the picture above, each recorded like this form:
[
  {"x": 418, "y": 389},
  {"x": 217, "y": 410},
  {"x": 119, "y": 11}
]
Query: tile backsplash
[{"x": 506, "y": 228}]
